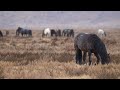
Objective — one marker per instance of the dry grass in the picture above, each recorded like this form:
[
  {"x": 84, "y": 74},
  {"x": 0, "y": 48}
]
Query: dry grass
[{"x": 53, "y": 58}]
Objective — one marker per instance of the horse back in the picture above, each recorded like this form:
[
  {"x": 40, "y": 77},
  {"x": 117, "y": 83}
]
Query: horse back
[{"x": 85, "y": 42}]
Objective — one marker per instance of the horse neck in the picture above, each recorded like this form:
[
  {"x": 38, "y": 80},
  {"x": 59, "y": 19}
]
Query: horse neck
[
  {"x": 18, "y": 30},
  {"x": 102, "y": 52}
]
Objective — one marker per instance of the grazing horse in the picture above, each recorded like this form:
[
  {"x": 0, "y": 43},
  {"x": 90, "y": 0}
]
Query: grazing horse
[
  {"x": 90, "y": 43},
  {"x": 46, "y": 32},
  {"x": 68, "y": 32},
  {"x": 58, "y": 32},
  {"x": 23, "y": 32},
  {"x": 1, "y": 34},
  {"x": 53, "y": 32},
  {"x": 101, "y": 33},
  {"x": 49, "y": 32}
]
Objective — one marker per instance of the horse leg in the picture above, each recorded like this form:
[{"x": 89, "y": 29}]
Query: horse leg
[
  {"x": 56, "y": 35},
  {"x": 79, "y": 56},
  {"x": 42, "y": 34},
  {"x": 22, "y": 34},
  {"x": 103, "y": 62},
  {"x": 73, "y": 35},
  {"x": 67, "y": 35},
  {"x": 89, "y": 54},
  {"x": 84, "y": 57},
  {"x": 17, "y": 34},
  {"x": 98, "y": 58}
]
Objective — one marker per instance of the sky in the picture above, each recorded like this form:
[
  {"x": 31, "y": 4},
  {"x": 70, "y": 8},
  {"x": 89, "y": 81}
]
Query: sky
[{"x": 58, "y": 19}]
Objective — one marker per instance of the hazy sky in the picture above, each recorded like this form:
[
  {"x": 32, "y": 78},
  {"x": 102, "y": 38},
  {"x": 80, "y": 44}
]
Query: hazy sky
[{"x": 38, "y": 19}]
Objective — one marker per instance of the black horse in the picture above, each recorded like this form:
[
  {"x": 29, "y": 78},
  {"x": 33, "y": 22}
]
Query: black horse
[
  {"x": 1, "y": 34},
  {"x": 90, "y": 43},
  {"x": 53, "y": 32},
  {"x": 68, "y": 32},
  {"x": 23, "y": 32}
]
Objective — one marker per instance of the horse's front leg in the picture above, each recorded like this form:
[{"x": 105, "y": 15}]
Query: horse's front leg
[
  {"x": 84, "y": 57},
  {"x": 98, "y": 58},
  {"x": 89, "y": 54},
  {"x": 78, "y": 56},
  {"x": 22, "y": 34}
]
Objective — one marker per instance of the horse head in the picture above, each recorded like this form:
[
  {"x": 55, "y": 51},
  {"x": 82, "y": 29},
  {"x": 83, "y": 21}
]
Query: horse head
[{"x": 18, "y": 31}]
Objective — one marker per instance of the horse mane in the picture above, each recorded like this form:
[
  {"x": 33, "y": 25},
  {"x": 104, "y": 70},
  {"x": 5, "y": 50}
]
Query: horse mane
[{"x": 99, "y": 46}]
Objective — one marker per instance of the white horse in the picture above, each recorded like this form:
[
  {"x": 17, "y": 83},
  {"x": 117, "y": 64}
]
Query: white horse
[
  {"x": 46, "y": 32},
  {"x": 101, "y": 33}
]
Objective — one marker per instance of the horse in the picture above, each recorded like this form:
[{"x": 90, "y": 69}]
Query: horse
[
  {"x": 101, "y": 33},
  {"x": 53, "y": 32},
  {"x": 23, "y": 32},
  {"x": 46, "y": 32},
  {"x": 68, "y": 32},
  {"x": 58, "y": 32},
  {"x": 90, "y": 43},
  {"x": 49, "y": 32}
]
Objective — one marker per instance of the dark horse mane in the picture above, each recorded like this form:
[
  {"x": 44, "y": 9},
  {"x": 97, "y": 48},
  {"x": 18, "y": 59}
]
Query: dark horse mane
[{"x": 90, "y": 43}]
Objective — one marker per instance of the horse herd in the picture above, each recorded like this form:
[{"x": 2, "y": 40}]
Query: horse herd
[
  {"x": 53, "y": 32},
  {"x": 83, "y": 43}
]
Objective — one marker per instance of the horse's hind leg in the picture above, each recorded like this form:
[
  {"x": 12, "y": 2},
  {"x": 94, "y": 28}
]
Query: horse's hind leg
[
  {"x": 22, "y": 34},
  {"x": 98, "y": 58},
  {"x": 89, "y": 54},
  {"x": 84, "y": 57},
  {"x": 79, "y": 56}
]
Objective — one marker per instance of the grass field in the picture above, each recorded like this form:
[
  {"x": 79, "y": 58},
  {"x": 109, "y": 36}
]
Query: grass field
[{"x": 53, "y": 58}]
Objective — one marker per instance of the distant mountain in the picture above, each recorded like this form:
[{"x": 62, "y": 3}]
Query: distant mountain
[{"x": 38, "y": 19}]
